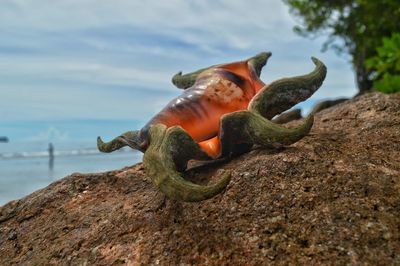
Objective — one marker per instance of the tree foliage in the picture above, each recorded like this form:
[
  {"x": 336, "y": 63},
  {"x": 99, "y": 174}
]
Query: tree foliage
[
  {"x": 387, "y": 65},
  {"x": 356, "y": 27}
]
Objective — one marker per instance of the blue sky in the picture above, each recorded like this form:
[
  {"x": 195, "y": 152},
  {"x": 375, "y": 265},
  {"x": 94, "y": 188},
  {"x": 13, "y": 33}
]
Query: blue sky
[{"x": 113, "y": 60}]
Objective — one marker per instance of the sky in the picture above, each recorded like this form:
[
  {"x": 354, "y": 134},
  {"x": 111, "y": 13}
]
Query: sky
[{"x": 113, "y": 60}]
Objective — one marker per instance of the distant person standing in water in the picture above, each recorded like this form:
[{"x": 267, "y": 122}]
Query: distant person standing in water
[{"x": 51, "y": 156}]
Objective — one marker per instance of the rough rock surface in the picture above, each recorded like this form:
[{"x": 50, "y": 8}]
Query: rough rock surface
[{"x": 332, "y": 198}]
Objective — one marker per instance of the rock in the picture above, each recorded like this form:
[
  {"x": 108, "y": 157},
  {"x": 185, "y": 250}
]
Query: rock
[
  {"x": 326, "y": 104},
  {"x": 332, "y": 198},
  {"x": 288, "y": 116},
  {"x": 12, "y": 235}
]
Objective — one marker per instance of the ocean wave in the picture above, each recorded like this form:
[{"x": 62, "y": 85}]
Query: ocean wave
[{"x": 39, "y": 154}]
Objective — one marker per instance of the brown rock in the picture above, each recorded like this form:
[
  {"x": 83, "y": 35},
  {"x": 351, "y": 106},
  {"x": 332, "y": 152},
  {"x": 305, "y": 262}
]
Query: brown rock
[
  {"x": 288, "y": 116},
  {"x": 332, "y": 198},
  {"x": 327, "y": 104}
]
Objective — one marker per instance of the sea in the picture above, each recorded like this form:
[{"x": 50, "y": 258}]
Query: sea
[{"x": 25, "y": 164}]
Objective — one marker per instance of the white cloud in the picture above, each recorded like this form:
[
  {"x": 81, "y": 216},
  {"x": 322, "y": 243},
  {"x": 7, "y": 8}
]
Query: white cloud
[
  {"x": 84, "y": 72},
  {"x": 241, "y": 24},
  {"x": 59, "y": 57}
]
